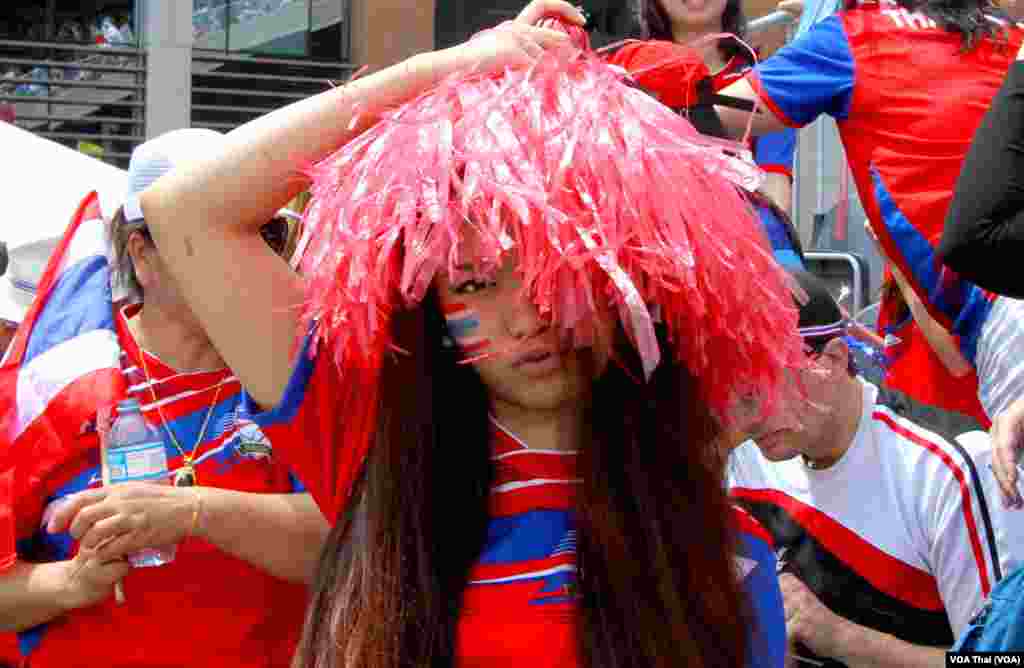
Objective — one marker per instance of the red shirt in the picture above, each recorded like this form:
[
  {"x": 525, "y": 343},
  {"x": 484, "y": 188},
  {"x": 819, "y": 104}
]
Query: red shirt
[{"x": 206, "y": 608}]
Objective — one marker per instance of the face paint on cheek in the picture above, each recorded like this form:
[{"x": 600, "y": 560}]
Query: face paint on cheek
[{"x": 464, "y": 326}]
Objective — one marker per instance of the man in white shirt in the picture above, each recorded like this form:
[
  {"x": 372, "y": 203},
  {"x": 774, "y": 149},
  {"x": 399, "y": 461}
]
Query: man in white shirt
[{"x": 889, "y": 536}]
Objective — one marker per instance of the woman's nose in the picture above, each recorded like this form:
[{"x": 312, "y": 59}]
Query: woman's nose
[{"x": 523, "y": 319}]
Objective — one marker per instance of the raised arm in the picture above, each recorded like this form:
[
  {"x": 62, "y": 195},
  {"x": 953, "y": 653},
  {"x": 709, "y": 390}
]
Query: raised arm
[
  {"x": 205, "y": 216},
  {"x": 984, "y": 230},
  {"x": 810, "y": 76}
]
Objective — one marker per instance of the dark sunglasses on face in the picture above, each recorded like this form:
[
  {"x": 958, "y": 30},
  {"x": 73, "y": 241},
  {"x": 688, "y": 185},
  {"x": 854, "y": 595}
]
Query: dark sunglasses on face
[{"x": 275, "y": 233}]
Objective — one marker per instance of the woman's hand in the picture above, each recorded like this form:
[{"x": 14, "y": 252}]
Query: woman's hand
[
  {"x": 539, "y": 9},
  {"x": 513, "y": 43},
  {"x": 123, "y": 519},
  {"x": 86, "y": 579}
]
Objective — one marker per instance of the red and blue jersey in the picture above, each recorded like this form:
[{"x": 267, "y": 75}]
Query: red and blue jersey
[
  {"x": 907, "y": 98},
  {"x": 520, "y": 604}
]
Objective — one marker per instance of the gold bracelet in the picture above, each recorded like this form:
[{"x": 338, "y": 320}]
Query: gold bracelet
[{"x": 196, "y": 509}]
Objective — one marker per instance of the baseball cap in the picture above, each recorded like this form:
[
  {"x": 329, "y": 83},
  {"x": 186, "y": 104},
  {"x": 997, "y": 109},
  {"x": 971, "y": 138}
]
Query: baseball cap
[
  {"x": 25, "y": 266},
  {"x": 160, "y": 155},
  {"x": 820, "y": 315}
]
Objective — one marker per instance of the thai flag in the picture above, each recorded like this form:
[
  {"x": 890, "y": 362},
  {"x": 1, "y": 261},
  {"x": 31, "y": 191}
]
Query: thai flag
[
  {"x": 463, "y": 323},
  {"x": 63, "y": 366}
]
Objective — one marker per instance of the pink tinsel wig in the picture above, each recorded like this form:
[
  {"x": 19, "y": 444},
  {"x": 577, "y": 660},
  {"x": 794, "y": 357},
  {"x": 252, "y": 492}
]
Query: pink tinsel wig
[{"x": 610, "y": 200}]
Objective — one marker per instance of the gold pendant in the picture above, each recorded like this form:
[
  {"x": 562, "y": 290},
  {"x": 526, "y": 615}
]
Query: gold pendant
[{"x": 186, "y": 476}]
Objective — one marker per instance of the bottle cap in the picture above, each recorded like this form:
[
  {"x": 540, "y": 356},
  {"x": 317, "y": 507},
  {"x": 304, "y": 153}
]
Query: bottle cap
[{"x": 127, "y": 405}]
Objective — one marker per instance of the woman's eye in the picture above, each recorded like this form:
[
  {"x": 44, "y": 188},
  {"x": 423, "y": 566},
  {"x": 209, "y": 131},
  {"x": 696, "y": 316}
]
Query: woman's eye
[{"x": 469, "y": 287}]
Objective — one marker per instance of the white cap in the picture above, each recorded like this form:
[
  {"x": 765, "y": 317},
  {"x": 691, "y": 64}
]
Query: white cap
[
  {"x": 160, "y": 155},
  {"x": 25, "y": 266}
]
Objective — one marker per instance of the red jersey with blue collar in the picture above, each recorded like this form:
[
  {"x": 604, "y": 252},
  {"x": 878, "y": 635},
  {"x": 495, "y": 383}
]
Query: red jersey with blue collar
[
  {"x": 908, "y": 100},
  {"x": 206, "y": 608},
  {"x": 519, "y": 607}
]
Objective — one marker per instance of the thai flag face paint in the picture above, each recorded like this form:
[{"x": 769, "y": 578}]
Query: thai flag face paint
[{"x": 464, "y": 327}]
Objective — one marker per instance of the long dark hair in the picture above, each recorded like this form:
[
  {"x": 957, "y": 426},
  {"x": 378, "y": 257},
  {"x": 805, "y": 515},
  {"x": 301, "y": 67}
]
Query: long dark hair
[
  {"x": 970, "y": 18},
  {"x": 655, "y": 24},
  {"x": 655, "y": 541}
]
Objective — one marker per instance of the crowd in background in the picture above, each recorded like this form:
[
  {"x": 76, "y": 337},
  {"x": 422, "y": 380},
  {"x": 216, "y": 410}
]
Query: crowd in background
[{"x": 109, "y": 29}]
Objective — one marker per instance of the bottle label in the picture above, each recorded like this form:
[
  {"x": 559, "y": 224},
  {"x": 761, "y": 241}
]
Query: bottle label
[{"x": 141, "y": 462}]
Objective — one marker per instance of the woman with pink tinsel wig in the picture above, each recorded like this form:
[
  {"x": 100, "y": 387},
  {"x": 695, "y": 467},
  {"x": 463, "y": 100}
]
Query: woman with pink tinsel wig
[{"x": 531, "y": 297}]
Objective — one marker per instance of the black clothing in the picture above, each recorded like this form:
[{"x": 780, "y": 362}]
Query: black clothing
[{"x": 983, "y": 238}]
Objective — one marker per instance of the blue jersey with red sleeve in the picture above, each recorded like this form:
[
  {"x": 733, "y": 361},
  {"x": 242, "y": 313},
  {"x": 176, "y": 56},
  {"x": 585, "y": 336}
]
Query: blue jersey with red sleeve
[
  {"x": 520, "y": 604},
  {"x": 907, "y": 98}
]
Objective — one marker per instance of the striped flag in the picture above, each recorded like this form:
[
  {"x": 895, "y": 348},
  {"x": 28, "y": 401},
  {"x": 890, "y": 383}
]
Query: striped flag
[{"x": 62, "y": 369}]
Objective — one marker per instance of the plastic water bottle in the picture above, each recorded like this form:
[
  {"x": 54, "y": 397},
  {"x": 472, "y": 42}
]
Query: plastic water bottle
[{"x": 135, "y": 453}]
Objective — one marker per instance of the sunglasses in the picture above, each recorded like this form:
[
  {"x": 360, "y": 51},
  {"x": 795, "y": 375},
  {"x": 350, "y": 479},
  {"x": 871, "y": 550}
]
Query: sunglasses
[{"x": 275, "y": 234}]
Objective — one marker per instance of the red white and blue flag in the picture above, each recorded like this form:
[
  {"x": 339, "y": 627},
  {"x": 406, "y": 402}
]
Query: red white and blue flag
[{"x": 63, "y": 364}]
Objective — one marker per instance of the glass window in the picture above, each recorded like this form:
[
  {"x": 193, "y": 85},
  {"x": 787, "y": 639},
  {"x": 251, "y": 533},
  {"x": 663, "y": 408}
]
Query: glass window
[
  {"x": 210, "y": 24},
  {"x": 263, "y": 27}
]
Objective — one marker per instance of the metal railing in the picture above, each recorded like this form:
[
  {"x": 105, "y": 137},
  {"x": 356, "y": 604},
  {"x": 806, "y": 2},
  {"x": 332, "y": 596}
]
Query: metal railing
[
  {"x": 776, "y": 18},
  {"x": 228, "y": 91},
  {"x": 89, "y": 98}
]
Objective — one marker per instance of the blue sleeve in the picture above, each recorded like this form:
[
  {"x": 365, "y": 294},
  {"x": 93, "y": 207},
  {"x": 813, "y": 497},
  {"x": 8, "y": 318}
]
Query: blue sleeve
[
  {"x": 782, "y": 247},
  {"x": 773, "y": 152},
  {"x": 297, "y": 486},
  {"x": 810, "y": 76},
  {"x": 761, "y": 583}
]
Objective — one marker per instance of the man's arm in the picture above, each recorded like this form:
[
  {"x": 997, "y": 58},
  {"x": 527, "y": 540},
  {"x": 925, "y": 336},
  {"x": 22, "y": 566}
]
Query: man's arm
[
  {"x": 828, "y": 635},
  {"x": 32, "y": 594},
  {"x": 939, "y": 338},
  {"x": 861, "y": 647},
  {"x": 280, "y": 533}
]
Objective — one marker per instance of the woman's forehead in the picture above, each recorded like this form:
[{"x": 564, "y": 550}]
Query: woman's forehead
[{"x": 477, "y": 249}]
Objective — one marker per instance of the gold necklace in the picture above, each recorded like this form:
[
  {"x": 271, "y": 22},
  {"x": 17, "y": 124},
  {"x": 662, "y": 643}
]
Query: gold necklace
[{"x": 186, "y": 476}]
